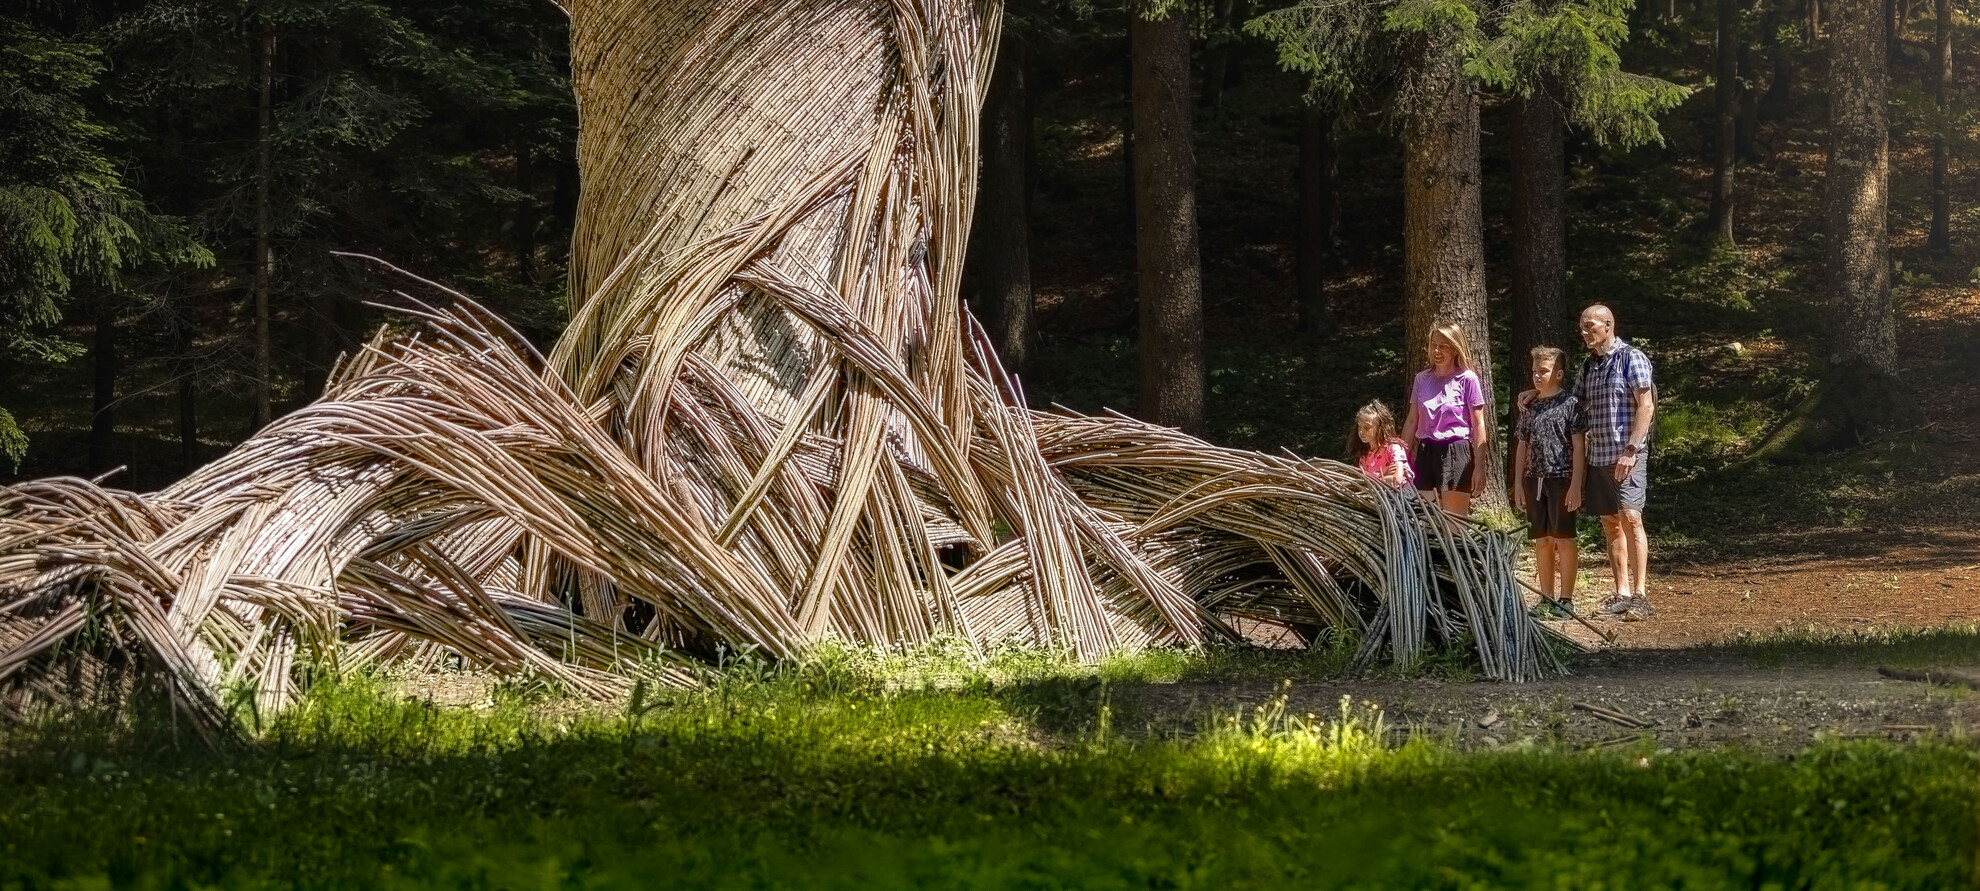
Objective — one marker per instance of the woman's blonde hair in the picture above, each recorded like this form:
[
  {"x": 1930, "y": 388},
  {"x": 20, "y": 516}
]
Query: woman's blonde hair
[{"x": 1455, "y": 335}]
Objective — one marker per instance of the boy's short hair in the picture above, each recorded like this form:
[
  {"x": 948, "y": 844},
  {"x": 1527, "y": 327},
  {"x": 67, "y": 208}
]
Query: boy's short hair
[{"x": 1549, "y": 352}]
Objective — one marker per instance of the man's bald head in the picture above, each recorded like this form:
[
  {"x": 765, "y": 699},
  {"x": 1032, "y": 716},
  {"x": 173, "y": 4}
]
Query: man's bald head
[{"x": 1598, "y": 327}]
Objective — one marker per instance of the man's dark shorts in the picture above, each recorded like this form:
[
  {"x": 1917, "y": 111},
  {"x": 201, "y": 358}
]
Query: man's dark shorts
[{"x": 1602, "y": 496}]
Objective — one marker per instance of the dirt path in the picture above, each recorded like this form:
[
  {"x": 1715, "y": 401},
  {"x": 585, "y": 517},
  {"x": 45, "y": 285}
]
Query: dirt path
[{"x": 1669, "y": 700}]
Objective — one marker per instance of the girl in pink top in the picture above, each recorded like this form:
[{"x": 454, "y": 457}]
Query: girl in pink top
[
  {"x": 1376, "y": 448},
  {"x": 1446, "y": 424}
]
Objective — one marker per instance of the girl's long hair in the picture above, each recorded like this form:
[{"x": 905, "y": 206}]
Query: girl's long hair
[
  {"x": 1455, "y": 335},
  {"x": 1385, "y": 429}
]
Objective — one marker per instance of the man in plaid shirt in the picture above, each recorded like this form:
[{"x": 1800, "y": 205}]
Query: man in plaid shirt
[{"x": 1618, "y": 399}]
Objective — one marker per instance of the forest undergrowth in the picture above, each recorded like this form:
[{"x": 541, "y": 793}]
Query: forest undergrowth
[{"x": 865, "y": 769}]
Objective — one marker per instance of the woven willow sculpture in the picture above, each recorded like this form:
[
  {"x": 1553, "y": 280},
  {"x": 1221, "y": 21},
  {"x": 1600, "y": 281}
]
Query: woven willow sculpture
[{"x": 770, "y": 422}]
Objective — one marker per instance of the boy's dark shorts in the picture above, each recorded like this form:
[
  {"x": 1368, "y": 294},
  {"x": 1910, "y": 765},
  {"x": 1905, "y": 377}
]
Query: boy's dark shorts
[
  {"x": 1547, "y": 515},
  {"x": 1442, "y": 465},
  {"x": 1602, "y": 496}
]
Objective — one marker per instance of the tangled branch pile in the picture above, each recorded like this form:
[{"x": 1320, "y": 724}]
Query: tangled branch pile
[{"x": 769, "y": 422}]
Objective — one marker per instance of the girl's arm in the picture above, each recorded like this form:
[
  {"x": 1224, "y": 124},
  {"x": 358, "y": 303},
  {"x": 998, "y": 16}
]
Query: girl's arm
[
  {"x": 1573, "y": 502},
  {"x": 1478, "y": 456},
  {"x": 1397, "y": 473},
  {"x": 1519, "y": 475}
]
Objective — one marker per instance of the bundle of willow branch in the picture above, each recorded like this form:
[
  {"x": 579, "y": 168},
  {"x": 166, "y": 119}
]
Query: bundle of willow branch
[{"x": 770, "y": 422}]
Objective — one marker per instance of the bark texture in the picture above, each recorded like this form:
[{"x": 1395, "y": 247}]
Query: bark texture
[
  {"x": 264, "y": 259},
  {"x": 1725, "y": 97},
  {"x": 1167, "y": 272},
  {"x": 1319, "y": 214},
  {"x": 103, "y": 359},
  {"x": 1443, "y": 244},
  {"x": 1539, "y": 250},
  {"x": 1000, "y": 261},
  {"x": 1942, "y": 74},
  {"x": 1862, "y": 325}
]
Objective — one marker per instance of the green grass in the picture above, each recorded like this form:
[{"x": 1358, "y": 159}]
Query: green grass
[
  {"x": 1861, "y": 647},
  {"x": 864, "y": 770}
]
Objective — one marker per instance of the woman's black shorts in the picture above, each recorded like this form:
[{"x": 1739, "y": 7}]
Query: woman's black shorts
[
  {"x": 1443, "y": 465},
  {"x": 1546, "y": 507}
]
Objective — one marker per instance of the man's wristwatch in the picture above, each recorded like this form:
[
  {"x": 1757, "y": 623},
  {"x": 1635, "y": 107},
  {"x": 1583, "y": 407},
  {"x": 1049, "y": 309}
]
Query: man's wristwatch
[{"x": 1631, "y": 449}]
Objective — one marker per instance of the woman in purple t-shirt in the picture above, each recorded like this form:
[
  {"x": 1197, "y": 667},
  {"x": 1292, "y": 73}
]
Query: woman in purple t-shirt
[{"x": 1446, "y": 424}]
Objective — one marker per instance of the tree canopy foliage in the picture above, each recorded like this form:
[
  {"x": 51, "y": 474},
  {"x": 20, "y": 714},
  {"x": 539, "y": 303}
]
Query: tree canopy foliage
[{"x": 1363, "y": 48}]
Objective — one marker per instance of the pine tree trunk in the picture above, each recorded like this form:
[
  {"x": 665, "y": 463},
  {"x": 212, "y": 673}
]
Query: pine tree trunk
[
  {"x": 1893, "y": 27},
  {"x": 1860, "y": 394},
  {"x": 1000, "y": 262},
  {"x": 1167, "y": 272},
  {"x": 103, "y": 361},
  {"x": 1127, "y": 129},
  {"x": 264, "y": 261},
  {"x": 1443, "y": 240},
  {"x": 188, "y": 400},
  {"x": 1780, "y": 90},
  {"x": 1319, "y": 214},
  {"x": 525, "y": 214},
  {"x": 1217, "y": 58},
  {"x": 1726, "y": 104},
  {"x": 1856, "y": 242},
  {"x": 1941, "y": 238},
  {"x": 1539, "y": 252},
  {"x": 1747, "y": 131}
]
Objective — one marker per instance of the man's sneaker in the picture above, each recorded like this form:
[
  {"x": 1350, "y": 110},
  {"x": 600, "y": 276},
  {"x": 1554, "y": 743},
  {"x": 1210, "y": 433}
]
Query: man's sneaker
[
  {"x": 1618, "y": 606},
  {"x": 1639, "y": 609}
]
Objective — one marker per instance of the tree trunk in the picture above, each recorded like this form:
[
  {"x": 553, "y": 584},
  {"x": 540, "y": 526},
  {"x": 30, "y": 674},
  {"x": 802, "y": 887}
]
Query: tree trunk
[
  {"x": 1443, "y": 239},
  {"x": 1856, "y": 201},
  {"x": 103, "y": 361},
  {"x": 1319, "y": 214},
  {"x": 1893, "y": 28},
  {"x": 1941, "y": 239},
  {"x": 1747, "y": 131},
  {"x": 1814, "y": 19},
  {"x": 525, "y": 214},
  {"x": 188, "y": 396},
  {"x": 1127, "y": 127},
  {"x": 1217, "y": 56},
  {"x": 1539, "y": 252},
  {"x": 1860, "y": 393},
  {"x": 1167, "y": 272},
  {"x": 264, "y": 261},
  {"x": 1726, "y": 103},
  {"x": 1780, "y": 90},
  {"x": 1000, "y": 263}
]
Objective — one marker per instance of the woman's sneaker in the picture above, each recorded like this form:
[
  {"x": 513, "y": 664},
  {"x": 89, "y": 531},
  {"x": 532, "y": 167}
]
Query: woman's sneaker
[
  {"x": 1639, "y": 608},
  {"x": 1618, "y": 607},
  {"x": 1551, "y": 608}
]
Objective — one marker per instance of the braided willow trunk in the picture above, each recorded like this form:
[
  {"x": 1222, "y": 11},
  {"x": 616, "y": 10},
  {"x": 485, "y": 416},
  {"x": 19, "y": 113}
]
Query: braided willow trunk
[{"x": 769, "y": 423}]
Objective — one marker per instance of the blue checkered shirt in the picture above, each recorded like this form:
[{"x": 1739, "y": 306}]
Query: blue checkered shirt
[{"x": 1607, "y": 392}]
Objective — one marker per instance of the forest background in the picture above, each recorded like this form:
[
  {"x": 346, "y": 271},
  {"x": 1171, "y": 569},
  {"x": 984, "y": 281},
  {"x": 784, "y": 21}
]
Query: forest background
[{"x": 176, "y": 177}]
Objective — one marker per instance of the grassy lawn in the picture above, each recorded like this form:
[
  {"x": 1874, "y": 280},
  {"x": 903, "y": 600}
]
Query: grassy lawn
[{"x": 851, "y": 772}]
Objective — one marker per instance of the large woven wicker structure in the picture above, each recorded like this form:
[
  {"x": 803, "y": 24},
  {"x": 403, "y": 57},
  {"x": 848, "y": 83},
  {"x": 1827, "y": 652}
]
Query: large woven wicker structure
[{"x": 770, "y": 422}]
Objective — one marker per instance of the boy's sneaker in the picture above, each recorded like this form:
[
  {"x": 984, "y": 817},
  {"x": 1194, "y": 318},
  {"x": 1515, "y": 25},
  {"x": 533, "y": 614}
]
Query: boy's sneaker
[{"x": 1550, "y": 608}]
